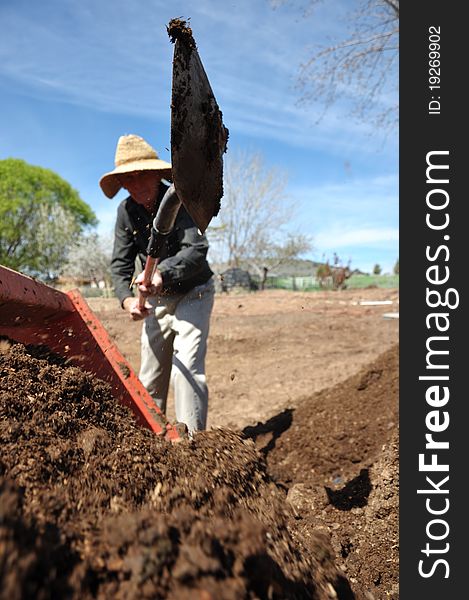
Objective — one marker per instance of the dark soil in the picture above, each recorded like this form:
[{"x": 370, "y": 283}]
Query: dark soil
[
  {"x": 336, "y": 456},
  {"x": 93, "y": 506}
]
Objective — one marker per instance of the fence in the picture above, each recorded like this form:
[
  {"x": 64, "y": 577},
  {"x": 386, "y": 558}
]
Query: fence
[
  {"x": 307, "y": 284},
  {"x": 300, "y": 284},
  {"x": 292, "y": 283}
]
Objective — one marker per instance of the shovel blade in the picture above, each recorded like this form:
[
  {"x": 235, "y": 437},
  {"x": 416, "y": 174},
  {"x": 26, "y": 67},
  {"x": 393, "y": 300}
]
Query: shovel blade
[{"x": 198, "y": 136}]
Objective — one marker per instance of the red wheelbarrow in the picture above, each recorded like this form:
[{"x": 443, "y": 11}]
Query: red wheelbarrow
[{"x": 34, "y": 313}]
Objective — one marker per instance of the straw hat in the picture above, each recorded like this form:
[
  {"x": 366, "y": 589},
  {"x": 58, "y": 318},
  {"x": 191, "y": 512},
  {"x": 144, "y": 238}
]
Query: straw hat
[{"x": 133, "y": 153}]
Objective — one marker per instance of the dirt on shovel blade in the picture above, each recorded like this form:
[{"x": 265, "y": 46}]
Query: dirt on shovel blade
[
  {"x": 93, "y": 506},
  {"x": 198, "y": 136}
]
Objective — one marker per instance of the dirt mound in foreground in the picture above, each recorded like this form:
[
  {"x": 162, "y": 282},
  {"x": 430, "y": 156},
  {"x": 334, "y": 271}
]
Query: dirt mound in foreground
[
  {"x": 336, "y": 456},
  {"x": 94, "y": 506}
]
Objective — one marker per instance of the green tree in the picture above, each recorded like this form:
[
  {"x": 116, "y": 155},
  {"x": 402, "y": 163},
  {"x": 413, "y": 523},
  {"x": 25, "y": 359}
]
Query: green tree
[
  {"x": 396, "y": 268},
  {"x": 377, "y": 270},
  {"x": 41, "y": 217}
]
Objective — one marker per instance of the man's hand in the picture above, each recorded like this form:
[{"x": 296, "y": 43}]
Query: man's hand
[
  {"x": 136, "y": 314},
  {"x": 156, "y": 286}
]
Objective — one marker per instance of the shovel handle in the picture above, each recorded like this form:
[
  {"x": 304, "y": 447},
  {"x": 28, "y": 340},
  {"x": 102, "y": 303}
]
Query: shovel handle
[{"x": 150, "y": 266}]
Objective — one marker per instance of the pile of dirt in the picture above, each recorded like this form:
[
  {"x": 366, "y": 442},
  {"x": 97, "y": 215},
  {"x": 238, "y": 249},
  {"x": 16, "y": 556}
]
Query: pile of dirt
[
  {"x": 336, "y": 456},
  {"x": 93, "y": 506}
]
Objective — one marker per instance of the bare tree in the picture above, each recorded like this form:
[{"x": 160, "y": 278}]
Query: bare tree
[
  {"x": 271, "y": 256},
  {"x": 362, "y": 66},
  {"x": 90, "y": 258},
  {"x": 55, "y": 231},
  {"x": 255, "y": 210}
]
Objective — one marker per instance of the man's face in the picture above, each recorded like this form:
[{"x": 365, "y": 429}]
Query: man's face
[{"x": 141, "y": 185}]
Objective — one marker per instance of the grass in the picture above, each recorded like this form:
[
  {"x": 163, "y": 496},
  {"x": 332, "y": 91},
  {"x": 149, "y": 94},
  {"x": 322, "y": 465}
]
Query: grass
[
  {"x": 309, "y": 284},
  {"x": 381, "y": 281}
]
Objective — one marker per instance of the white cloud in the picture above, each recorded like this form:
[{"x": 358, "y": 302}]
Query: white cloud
[{"x": 356, "y": 217}]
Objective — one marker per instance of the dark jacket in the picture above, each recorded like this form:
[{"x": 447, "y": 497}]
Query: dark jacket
[{"x": 183, "y": 263}]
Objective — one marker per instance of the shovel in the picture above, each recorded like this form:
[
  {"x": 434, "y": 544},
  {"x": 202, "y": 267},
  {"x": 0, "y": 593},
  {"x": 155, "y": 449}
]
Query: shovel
[{"x": 198, "y": 142}]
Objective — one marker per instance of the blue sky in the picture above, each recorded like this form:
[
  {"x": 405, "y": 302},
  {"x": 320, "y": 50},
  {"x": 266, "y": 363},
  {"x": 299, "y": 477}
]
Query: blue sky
[{"x": 74, "y": 76}]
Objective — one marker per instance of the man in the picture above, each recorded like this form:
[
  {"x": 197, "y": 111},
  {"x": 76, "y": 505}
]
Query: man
[{"x": 177, "y": 316}]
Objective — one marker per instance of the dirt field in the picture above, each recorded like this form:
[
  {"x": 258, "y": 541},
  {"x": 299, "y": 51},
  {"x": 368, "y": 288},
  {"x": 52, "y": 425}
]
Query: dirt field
[
  {"x": 269, "y": 349},
  {"x": 299, "y": 501}
]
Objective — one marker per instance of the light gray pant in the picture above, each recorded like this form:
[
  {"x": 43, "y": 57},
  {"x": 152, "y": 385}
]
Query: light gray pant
[{"x": 174, "y": 345}]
